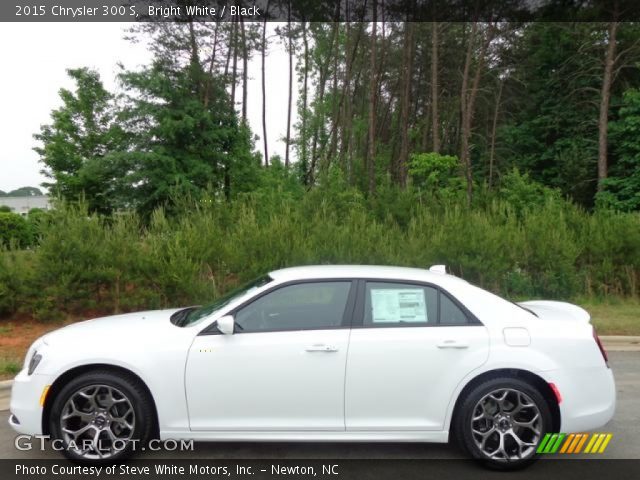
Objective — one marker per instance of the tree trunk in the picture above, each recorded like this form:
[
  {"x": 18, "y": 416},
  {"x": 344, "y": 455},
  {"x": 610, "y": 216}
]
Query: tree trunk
[
  {"x": 193, "y": 44},
  {"x": 494, "y": 127},
  {"x": 605, "y": 98},
  {"x": 464, "y": 150},
  {"x": 373, "y": 76},
  {"x": 234, "y": 72},
  {"x": 289, "y": 104},
  {"x": 434, "y": 88},
  {"x": 212, "y": 61},
  {"x": 401, "y": 164},
  {"x": 343, "y": 116},
  {"x": 264, "y": 89},
  {"x": 336, "y": 106},
  {"x": 382, "y": 63},
  {"x": 245, "y": 62},
  {"x": 305, "y": 102},
  {"x": 469, "y": 103},
  {"x": 194, "y": 60},
  {"x": 322, "y": 81},
  {"x": 347, "y": 102},
  {"x": 229, "y": 48}
]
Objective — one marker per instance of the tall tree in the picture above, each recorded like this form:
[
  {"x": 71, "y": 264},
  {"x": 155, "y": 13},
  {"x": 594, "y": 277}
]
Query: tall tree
[
  {"x": 264, "y": 88},
  {"x": 605, "y": 99},
  {"x": 304, "y": 160},
  {"x": 400, "y": 170},
  {"x": 373, "y": 74},
  {"x": 494, "y": 129},
  {"x": 182, "y": 147},
  {"x": 212, "y": 64},
  {"x": 290, "y": 96},
  {"x": 234, "y": 70},
  {"x": 245, "y": 70},
  {"x": 435, "y": 121},
  {"x": 325, "y": 59},
  {"x": 77, "y": 147},
  {"x": 467, "y": 101}
]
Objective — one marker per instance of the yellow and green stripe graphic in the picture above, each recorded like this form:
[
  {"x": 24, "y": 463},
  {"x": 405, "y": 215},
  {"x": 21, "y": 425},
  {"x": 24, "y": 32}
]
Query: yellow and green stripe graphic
[{"x": 574, "y": 443}]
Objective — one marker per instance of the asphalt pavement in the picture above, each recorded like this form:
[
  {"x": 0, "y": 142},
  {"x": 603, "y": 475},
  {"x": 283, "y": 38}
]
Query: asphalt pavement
[{"x": 625, "y": 442}]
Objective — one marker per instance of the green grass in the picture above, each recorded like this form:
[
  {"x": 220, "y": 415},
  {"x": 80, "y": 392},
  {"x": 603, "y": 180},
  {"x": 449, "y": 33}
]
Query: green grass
[
  {"x": 9, "y": 367},
  {"x": 615, "y": 317}
]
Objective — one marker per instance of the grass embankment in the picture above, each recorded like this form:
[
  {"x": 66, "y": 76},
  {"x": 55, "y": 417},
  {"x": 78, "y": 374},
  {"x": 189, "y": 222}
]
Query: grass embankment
[{"x": 616, "y": 317}]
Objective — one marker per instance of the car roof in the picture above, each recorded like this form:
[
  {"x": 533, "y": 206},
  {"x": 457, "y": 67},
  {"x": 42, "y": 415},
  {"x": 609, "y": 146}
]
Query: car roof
[{"x": 311, "y": 272}]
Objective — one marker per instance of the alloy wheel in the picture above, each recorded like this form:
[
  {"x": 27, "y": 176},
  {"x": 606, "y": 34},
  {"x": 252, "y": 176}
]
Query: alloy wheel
[
  {"x": 506, "y": 425},
  {"x": 97, "y": 421}
]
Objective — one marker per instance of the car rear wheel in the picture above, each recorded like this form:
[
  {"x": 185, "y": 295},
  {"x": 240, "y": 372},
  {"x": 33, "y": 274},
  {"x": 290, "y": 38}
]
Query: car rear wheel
[
  {"x": 501, "y": 421},
  {"x": 98, "y": 417}
]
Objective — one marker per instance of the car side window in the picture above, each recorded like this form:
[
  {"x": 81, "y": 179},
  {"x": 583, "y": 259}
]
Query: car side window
[
  {"x": 450, "y": 313},
  {"x": 400, "y": 304},
  {"x": 303, "y": 306}
]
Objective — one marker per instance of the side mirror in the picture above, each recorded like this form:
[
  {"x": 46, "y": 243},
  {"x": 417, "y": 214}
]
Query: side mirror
[{"x": 225, "y": 324}]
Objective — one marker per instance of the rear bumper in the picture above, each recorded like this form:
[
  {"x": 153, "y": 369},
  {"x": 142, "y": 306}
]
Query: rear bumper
[
  {"x": 588, "y": 397},
  {"x": 25, "y": 411}
]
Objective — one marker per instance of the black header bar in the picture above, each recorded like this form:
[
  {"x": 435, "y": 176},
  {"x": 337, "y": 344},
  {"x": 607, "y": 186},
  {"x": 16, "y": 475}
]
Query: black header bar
[{"x": 319, "y": 10}]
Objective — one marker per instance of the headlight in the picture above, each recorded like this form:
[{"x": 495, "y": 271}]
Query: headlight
[{"x": 33, "y": 363}]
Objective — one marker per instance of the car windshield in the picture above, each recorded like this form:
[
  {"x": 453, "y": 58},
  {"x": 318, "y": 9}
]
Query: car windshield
[{"x": 195, "y": 314}]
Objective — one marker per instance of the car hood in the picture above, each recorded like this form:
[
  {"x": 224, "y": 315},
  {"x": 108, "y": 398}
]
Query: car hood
[
  {"x": 557, "y": 311},
  {"x": 139, "y": 325}
]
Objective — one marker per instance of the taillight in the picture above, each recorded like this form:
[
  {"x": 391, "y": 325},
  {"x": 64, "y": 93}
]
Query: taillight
[
  {"x": 602, "y": 350},
  {"x": 556, "y": 392}
]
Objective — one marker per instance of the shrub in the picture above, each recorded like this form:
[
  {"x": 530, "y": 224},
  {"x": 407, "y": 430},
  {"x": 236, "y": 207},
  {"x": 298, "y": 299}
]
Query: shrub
[
  {"x": 522, "y": 193},
  {"x": 14, "y": 229}
]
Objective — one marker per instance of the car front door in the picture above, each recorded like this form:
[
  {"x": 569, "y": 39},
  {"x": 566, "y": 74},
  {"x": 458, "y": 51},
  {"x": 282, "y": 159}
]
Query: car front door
[
  {"x": 411, "y": 345},
  {"x": 283, "y": 368}
]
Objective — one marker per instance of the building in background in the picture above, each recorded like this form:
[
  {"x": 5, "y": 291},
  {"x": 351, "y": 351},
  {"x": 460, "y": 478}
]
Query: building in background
[{"x": 22, "y": 205}]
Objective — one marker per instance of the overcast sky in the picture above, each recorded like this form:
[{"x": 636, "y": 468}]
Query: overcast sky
[{"x": 36, "y": 56}]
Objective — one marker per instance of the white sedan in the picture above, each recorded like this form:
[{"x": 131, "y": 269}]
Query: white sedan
[{"x": 323, "y": 353}]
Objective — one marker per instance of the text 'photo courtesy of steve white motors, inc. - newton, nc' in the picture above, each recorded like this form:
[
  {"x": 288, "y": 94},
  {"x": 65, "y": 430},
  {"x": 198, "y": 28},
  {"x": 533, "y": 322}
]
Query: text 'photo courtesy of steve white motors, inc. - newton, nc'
[
  {"x": 192, "y": 469},
  {"x": 148, "y": 12}
]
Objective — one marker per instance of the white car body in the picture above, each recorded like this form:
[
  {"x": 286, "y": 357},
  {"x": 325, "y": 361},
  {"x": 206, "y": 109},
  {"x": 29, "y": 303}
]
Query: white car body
[{"x": 341, "y": 384}]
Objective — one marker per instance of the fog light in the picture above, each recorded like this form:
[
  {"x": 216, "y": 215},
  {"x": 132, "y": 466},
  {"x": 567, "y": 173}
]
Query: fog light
[{"x": 13, "y": 419}]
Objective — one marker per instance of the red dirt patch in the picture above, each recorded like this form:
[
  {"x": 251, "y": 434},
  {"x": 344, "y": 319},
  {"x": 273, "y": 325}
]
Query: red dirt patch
[{"x": 17, "y": 335}]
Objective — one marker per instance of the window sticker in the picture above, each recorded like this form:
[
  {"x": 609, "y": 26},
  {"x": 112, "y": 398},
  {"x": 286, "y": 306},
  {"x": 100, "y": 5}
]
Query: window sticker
[{"x": 398, "y": 305}]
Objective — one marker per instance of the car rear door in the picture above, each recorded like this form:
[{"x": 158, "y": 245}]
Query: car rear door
[{"x": 411, "y": 345}]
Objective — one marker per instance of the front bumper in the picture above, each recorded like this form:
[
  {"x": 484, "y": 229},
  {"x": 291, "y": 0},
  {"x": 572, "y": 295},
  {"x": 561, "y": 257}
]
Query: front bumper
[
  {"x": 588, "y": 397},
  {"x": 25, "y": 410}
]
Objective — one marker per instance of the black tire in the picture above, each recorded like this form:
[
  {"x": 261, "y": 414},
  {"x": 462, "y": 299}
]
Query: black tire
[
  {"x": 466, "y": 439},
  {"x": 142, "y": 418}
]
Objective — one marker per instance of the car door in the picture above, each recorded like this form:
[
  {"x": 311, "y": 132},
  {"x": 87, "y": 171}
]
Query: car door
[
  {"x": 282, "y": 369},
  {"x": 411, "y": 345}
]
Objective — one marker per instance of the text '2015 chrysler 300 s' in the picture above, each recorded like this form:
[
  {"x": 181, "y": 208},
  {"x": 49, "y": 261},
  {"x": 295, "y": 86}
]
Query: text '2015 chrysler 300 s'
[{"x": 323, "y": 353}]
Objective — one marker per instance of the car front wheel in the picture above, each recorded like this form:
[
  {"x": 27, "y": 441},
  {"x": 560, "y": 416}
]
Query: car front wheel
[
  {"x": 501, "y": 422},
  {"x": 99, "y": 416}
]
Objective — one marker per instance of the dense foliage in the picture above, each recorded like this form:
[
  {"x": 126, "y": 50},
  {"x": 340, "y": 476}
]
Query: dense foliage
[
  {"x": 543, "y": 246},
  {"x": 17, "y": 231}
]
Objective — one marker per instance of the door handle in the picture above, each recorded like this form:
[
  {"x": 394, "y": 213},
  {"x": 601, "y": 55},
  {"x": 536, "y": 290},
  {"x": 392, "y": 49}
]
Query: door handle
[
  {"x": 321, "y": 347},
  {"x": 452, "y": 344}
]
